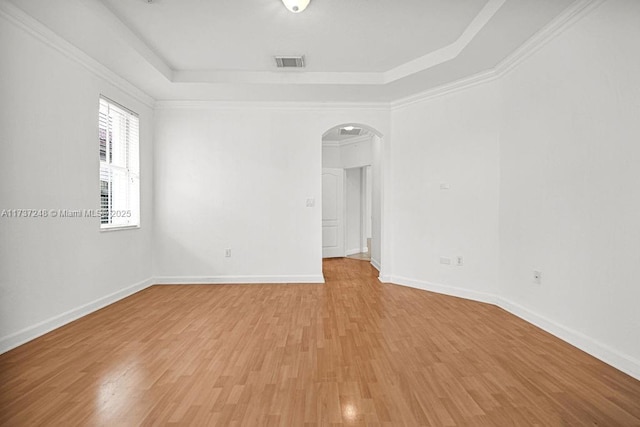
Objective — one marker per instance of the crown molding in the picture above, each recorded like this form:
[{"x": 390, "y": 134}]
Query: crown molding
[
  {"x": 293, "y": 77},
  {"x": 331, "y": 144},
  {"x": 110, "y": 17},
  {"x": 568, "y": 18},
  {"x": 267, "y": 105},
  {"x": 356, "y": 140},
  {"x": 561, "y": 23},
  {"x": 437, "y": 57},
  {"x": 446, "y": 89},
  {"x": 449, "y": 52},
  {"x": 24, "y": 21},
  {"x": 347, "y": 142}
]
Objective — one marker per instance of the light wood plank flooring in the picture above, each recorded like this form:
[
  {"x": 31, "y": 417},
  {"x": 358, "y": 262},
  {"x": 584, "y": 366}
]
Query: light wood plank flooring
[
  {"x": 362, "y": 256},
  {"x": 351, "y": 352}
]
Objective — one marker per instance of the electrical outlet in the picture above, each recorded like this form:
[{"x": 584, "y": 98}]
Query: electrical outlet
[
  {"x": 227, "y": 253},
  {"x": 459, "y": 261},
  {"x": 444, "y": 260},
  {"x": 537, "y": 277}
]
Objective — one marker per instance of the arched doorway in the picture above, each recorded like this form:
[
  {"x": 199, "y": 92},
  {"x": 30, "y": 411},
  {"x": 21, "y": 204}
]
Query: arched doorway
[{"x": 352, "y": 192}]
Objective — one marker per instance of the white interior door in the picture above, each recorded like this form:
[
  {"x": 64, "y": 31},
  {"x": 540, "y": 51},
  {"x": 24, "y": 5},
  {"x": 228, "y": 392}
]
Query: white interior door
[{"x": 332, "y": 213}]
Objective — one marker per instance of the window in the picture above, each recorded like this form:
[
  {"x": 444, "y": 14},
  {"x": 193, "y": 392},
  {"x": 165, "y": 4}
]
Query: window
[{"x": 119, "y": 166}]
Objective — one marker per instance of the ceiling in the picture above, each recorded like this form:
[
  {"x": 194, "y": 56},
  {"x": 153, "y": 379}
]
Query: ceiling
[
  {"x": 334, "y": 35},
  {"x": 355, "y": 50},
  {"x": 334, "y": 134}
]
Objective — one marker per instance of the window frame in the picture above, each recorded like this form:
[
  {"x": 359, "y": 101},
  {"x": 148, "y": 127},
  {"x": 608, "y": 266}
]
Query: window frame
[{"x": 130, "y": 171}]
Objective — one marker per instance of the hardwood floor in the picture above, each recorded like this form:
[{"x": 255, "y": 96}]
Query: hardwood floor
[
  {"x": 350, "y": 352},
  {"x": 363, "y": 256}
]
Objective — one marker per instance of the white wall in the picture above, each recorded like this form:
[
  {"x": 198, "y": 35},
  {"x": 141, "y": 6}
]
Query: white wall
[
  {"x": 381, "y": 205},
  {"x": 450, "y": 140},
  {"x": 222, "y": 182},
  {"x": 239, "y": 178},
  {"x": 347, "y": 154},
  {"x": 353, "y": 198},
  {"x": 546, "y": 157},
  {"x": 331, "y": 156},
  {"x": 357, "y": 154},
  {"x": 368, "y": 207},
  {"x": 51, "y": 268},
  {"x": 570, "y": 167},
  {"x": 542, "y": 166}
]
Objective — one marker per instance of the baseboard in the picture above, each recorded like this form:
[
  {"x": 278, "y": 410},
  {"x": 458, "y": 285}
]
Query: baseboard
[
  {"x": 25, "y": 335},
  {"x": 444, "y": 289},
  {"x": 357, "y": 251},
  {"x": 603, "y": 352},
  {"x": 203, "y": 280},
  {"x": 376, "y": 264},
  {"x": 600, "y": 351}
]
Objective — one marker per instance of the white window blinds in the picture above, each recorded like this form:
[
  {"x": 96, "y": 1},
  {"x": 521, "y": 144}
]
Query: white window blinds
[{"x": 119, "y": 166}]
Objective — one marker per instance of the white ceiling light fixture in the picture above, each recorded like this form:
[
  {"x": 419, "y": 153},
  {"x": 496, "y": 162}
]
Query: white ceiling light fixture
[{"x": 296, "y": 6}]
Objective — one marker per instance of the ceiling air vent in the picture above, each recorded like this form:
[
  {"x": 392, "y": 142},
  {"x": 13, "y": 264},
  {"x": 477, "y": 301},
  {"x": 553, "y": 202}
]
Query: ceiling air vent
[
  {"x": 350, "y": 131},
  {"x": 290, "y": 61}
]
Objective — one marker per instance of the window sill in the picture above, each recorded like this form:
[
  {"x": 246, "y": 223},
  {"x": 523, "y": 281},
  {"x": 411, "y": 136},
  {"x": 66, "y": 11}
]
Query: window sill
[{"x": 119, "y": 228}]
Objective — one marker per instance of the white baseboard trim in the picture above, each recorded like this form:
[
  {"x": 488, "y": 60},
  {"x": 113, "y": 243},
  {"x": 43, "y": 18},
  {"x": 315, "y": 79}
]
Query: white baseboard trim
[
  {"x": 357, "y": 251},
  {"x": 222, "y": 280},
  {"x": 603, "y": 352},
  {"x": 376, "y": 264},
  {"x": 444, "y": 289},
  {"x": 27, "y": 334}
]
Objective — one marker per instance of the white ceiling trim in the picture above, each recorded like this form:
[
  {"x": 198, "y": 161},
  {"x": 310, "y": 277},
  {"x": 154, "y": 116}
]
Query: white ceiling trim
[
  {"x": 560, "y": 24},
  {"x": 458, "y": 85},
  {"x": 557, "y": 26},
  {"x": 425, "y": 62},
  {"x": 450, "y": 52},
  {"x": 564, "y": 21},
  {"x": 31, "y": 26},
  {"x": 278, "y": 77},
  {"x": 346, "y": 142},
  {"x": 107, "y": 16},
  {"x": 330, "y": 144},
  {"x": 267, "y": 105}
]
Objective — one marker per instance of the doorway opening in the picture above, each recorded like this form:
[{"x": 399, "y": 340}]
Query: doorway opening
[
  {"x": 358, "y": 219},
  {"x": 352, "y": 193}
]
